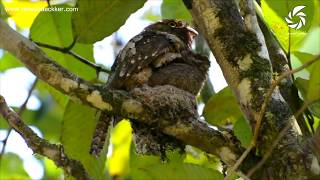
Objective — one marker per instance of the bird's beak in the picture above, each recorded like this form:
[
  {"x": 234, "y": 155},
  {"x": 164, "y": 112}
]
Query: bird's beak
[{"x": 192, "y": 32}]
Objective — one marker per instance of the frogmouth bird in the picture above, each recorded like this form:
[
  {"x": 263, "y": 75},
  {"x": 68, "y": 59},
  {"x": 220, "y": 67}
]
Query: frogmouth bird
[{"x": 160, "y": 55}]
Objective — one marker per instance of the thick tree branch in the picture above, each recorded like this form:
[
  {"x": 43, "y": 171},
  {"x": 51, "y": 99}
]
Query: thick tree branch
[
  {"x": 280, "y": 65},
  {"x": 241, "y": 52},
  {"x": 41, "y": 146},
  {"x": 174, "y": 115},
  {"x": 276, "y": 141}
]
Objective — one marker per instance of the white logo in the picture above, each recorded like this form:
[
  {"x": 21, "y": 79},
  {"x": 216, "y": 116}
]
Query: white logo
[{"x": 296, "y": 12}]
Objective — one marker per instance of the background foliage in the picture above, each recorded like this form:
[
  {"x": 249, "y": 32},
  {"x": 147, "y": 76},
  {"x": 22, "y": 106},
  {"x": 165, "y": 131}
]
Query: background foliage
[{"x": 63, "y": 121}]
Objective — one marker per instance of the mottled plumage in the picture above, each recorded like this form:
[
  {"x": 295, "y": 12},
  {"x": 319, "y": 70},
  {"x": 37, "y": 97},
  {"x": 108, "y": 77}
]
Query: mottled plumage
[{"x": 160, "y": 55}]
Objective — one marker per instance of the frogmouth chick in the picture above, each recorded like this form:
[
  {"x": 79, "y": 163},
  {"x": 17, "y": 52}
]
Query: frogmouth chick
[{"x": 160, "y": 55}]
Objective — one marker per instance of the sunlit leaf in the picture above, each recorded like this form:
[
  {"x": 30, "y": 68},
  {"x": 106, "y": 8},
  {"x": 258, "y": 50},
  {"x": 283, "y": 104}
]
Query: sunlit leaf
[
  {"x": 121, "y": 137},
  {"x": 275, "y": 12},
  {"x": 54, "y": 28},
  {"x": 78, "y": 125},
  {"x": 199, "y": 157},
  {"x": 173, "y": 9},
  {"x": 242, "y": 131},
  {"x": 52, "y": 171},
  {"x": 311, "y": 44},
  {"x": 23, "y": 12},
  {"x": 222, "y": 108},
  {"x": 96, "y": 20}
]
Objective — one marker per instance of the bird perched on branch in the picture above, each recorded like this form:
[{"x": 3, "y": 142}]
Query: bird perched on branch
[{"x": 160, "y": 55}]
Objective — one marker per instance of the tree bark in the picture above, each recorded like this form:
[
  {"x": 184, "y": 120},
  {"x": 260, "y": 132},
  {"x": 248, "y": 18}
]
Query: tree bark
[{"x": 239, "y": 47}]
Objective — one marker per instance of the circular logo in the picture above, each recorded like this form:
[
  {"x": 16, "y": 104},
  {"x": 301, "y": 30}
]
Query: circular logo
[{"x": 296, "y": 12}]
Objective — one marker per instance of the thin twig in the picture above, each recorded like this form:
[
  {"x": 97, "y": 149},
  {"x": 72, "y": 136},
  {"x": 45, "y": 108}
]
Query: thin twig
[
  {"x": 264, "y": 107},
  {"x": 41, "y": 146},
  {"x": 21, "y": 110},
  {"x": 277, "y": 140},
  {"x": 67, "y": 50}
]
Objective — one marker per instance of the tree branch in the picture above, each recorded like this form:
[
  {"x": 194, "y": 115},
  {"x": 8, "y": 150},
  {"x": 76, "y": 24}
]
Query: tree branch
[
  {"x": 21, "y": 109},
  {"x": 41, "y": 146},
  {"x": 173, "y": 115},
  {"x": 280, "y": 65},
  {"x": 276, "y": 141},
  {"x": 241, "y": 52}
]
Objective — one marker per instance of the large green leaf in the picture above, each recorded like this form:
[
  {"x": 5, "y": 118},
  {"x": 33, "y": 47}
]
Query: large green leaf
[
  {"x": 98, "y": 19},
  {"x": 54, "y": 28},
  {"x": 175, "y": 9},
  {"x": 150, "y": 167},
  {"x": 222, "y": 108},
  {"x": 78, "y": 125},
  {"x": 275, "y": 11}
]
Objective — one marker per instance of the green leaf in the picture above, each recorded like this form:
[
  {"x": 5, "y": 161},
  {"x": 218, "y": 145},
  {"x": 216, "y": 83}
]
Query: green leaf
[
  {"x": 11, "y": 167},
  {"x": 314, "y": 83},
  {"x": 3, "y": 13},
  {"x": 242, "y": 131},
  {"x": 8, "y": 61},
  {"x": 173, "y": 9},
  {"x": 275, "y": 11},
  {"x": 222, "y": 108},
  {"x": 303, "y": 85},
  {"x": 304, "y": 57},
  {"x": 311, "y": 43},
  {"x": 79, "y": 122},
  {"x": 199, "y": 157},
  {"x": 121, "y": 138},
  {"x": 52, "y": 171},
  {"x": 96, "y": 20},
  {"x": 54, "y": 28},
  {"x": 150, "y": 167}
]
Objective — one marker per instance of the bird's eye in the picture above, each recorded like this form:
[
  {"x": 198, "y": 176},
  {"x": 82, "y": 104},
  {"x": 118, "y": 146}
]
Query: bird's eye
[{"x": 172, "y": 24}]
